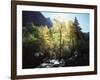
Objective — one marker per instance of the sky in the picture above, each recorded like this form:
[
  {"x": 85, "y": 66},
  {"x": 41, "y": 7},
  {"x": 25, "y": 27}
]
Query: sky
[{"x": 83, "y": 18}]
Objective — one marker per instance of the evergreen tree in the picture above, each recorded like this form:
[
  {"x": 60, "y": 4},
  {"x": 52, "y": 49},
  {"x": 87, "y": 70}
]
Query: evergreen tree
[{"x": 77, "y": 28}]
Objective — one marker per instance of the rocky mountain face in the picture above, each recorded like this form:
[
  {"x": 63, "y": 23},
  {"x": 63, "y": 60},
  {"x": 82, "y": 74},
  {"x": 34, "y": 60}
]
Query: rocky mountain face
[{"x": 36, "y": 18}]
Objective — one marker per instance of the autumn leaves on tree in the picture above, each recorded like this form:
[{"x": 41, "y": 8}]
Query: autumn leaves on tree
[{"x": 58, "y": 41}]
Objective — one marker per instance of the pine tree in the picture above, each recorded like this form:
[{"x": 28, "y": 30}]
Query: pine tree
[{"x": 77, "y": 29}]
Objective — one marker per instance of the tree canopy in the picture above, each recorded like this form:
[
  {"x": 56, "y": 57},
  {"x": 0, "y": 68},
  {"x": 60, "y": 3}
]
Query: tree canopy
[{"x": 59, "y": 40}]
